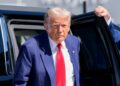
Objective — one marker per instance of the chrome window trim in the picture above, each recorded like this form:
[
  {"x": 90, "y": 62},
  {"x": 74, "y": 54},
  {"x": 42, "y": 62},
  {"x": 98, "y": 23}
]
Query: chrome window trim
[{"x": 12, "y": 27}]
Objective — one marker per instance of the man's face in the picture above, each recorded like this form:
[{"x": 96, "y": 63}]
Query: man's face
[{"x": 58, "y": 28}]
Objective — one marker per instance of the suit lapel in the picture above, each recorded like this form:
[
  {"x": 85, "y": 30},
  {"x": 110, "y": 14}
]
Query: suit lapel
[
  {"x": 48, "y": 59},
  {"x": 72, "y": 53}
]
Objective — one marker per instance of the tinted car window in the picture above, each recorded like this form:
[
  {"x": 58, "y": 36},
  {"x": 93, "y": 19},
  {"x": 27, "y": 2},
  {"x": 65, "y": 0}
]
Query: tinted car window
[
  {"x": 94, "y": 45},
  {"x": 2, "y": 61},
  {"x": 6, "y": 53},
  {"x": 22, "y": 35},
  {"x": 21, "y": 29},
  {"x": 1, "y": 43}
]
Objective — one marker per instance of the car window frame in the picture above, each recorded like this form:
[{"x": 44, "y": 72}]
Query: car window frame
[{"x": 12, "y": 27}]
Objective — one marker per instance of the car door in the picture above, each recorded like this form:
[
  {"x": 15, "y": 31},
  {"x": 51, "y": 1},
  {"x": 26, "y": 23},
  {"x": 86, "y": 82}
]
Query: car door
[
  {"x": 99, "y": 57},
  {"x": 6, "y": 55}
]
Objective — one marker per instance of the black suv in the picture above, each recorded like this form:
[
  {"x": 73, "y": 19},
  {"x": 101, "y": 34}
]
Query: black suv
[{"x": 99, "y": 56}]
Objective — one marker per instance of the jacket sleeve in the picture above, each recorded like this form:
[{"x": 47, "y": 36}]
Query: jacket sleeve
[
  {"x": 23, "y": 67},
  {"x": 115, "y": 30}
]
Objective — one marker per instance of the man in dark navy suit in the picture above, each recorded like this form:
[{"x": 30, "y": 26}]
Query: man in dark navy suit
[{"x": 37, "y": 63}]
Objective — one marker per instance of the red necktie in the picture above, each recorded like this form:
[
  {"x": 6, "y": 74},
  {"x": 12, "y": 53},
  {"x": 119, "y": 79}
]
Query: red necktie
[{"x": 60, "y": 68}]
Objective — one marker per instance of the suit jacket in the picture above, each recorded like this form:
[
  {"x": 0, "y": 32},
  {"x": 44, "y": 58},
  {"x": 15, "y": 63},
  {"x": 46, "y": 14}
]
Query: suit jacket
[
  {"x": 115, "y": 30},
  {"x": 35, "y": 67}
]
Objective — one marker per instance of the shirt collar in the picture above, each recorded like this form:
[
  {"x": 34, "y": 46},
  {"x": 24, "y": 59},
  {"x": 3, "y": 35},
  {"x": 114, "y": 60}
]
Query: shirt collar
[{"x": 53, "y": 44}]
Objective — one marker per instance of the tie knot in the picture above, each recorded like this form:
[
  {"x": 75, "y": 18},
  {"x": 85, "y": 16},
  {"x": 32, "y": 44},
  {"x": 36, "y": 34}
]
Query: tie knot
[{"x": 59, "y": 46}]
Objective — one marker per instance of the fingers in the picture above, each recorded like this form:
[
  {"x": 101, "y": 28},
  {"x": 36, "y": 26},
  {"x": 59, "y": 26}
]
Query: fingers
[{"x": 102, "y": 12}]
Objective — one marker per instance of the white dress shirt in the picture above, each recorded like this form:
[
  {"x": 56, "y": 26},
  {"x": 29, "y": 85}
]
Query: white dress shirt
[{"x": 68, "y": 63}]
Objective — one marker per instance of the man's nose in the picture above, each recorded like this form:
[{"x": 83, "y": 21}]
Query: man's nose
[{"x": 60, "y": 28}]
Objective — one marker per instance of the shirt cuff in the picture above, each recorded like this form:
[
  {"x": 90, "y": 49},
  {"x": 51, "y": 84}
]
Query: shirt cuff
[{"x": 109, "y": 21}]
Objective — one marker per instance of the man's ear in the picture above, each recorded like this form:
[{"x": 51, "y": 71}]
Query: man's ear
[{"x": 45, "y": 25}]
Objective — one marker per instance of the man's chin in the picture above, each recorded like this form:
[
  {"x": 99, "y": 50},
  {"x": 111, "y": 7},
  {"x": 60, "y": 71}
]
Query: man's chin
[{"x": 60, "y": 40}]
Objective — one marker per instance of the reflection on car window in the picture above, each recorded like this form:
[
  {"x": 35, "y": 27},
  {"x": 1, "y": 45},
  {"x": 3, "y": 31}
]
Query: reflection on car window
[
  {"x": 1, "y": 44},
  {"x": 22, "y": 35},
  {"x": 2, "y": 61}
]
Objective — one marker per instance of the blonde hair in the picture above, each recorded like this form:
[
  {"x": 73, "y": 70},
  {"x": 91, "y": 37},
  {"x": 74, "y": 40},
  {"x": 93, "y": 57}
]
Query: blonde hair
[{"x": 57, "y": 11}]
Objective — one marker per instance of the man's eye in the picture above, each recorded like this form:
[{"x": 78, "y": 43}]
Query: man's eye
[
  {"x": 55, "y": 25},
  {"x": 58, "y": 25},
  {"x": 64, "y": 25}
]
